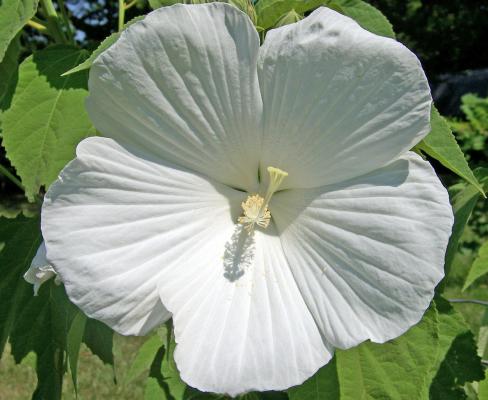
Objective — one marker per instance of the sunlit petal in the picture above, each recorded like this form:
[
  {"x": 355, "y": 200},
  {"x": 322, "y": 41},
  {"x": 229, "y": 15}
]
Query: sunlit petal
[
  {"x": 182, "y": 85},
  {"x": 113, "y": 222},
  {"x": 367, "y": 253},
  {"x": 240, "y": 321},
  {"x": 339, "y": 101}
]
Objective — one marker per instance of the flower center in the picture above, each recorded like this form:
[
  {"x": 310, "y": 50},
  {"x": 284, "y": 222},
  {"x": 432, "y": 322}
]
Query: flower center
[{"x": 255, "y": 208}]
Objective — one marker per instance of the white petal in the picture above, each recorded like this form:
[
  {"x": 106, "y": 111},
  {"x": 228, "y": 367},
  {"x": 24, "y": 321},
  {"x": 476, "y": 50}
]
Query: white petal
[
  {"x": 240, "y": 321},
  {"x": 367, "y": 253},
  {"x": 40, "y": 270},
  {"x": 113, "y": 222},
  {"x": 182, "y": 84},
  {"x": 339, "y": 101}
]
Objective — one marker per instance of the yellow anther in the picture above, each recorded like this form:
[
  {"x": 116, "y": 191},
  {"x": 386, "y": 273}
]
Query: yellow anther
[
  {"x": 255, "y": 207},
  {"x": 255, "y": 212}
]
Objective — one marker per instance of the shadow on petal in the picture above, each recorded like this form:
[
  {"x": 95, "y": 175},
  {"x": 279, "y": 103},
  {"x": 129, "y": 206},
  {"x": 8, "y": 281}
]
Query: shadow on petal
[
  {"x": 239, "y": 253},
  {"x": 289, "y": 204}
]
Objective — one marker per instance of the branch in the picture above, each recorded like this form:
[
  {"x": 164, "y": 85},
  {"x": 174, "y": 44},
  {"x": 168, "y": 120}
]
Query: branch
[{"x": 472, "y": 301}]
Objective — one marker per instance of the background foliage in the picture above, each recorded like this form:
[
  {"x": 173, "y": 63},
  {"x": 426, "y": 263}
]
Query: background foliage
[{"x": 46, "y": 51}]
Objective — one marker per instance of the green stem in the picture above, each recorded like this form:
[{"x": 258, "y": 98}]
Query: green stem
[
  {"x": 472, "y": 301},
  {"x": 53, "y": 22},
  {"x": 66, "y": 21},
  {"x": 11, "y": 177},
  {"x": 121, "y": 14},
  {"x": 38, "y": 20}
]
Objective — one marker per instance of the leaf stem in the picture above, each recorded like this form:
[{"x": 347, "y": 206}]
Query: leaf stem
[
  {"x": 53, "y": 22},
  {"x": 11, "y": 177},
  {"x": 37, "y": 25},
  {"x": 131, "y": 4},
  {"x": 121, "y": 15},
  {"x": 472, "y": 301}
]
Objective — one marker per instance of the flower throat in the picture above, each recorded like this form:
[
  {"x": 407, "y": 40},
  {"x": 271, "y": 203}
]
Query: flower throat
[{"x": 255, "y": 208}]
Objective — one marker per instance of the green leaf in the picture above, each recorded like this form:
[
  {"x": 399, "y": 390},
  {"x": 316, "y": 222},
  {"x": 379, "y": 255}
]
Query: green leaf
[
  {"x": 99, "y": 339},
  {"x": 451, "y": 324},
  {"x": 323, "y": 385},
  {"x": 463, "y": 203},
  {"x": 369, "y": 17},
  {"x": 433, "y": 359},
  {"x": 164, "y": 3},
  {"x": 441, "y": 145},
  {"x": 270, "y": 11},
  {"x": 19, "y": 240},
  {"x": 479, "y": 267},
  {"x": 104, "y": 45},
  {"x": 399, "y": 369},
  {"x": 14, "y": 14},
  {"x": 476, "y": 111},
  {"x": 47, "y": 325},
  {"x": 249, "y": 396},
  {"x": 47, "y": 118},
  {"x": 173, "y": 385},
  {"x": 155, "y": 388},
  {"x": 164, "y": 382},
  {"x": 245, "y": 6},
  {"x": 483, "y": 337},
  {"x": 74, "y": 339},
  {"x": 289, "y": 18},
  {"x": 43, "y": 327},
  {"x": 144, "y": 357},
  {"x": 458, "y": 353},
  {"x": 460, "y": 366},
  {"x": 483, "y": 388},
  {"x": 273, "y": 396},
  {"x": 40, "y": 324},
  {"x": 9, "y": 73}
]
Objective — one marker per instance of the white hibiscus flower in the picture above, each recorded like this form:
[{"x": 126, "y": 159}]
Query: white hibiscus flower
[{"x": 148, "y": 223}]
